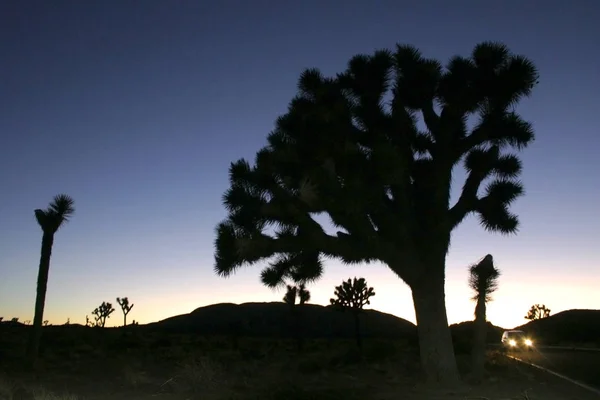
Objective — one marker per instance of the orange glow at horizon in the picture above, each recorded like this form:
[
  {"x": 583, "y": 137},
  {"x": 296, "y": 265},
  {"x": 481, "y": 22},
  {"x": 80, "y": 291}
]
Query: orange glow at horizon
[{"x": 517, "y": 292}]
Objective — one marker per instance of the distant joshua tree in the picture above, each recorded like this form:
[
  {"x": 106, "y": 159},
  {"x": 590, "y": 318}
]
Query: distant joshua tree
[
  {"x": 353, "y": 295},
  {"x": 125, "y": 307},
  {"x": 537, "y": 311},
  {"x": 14, "y": 320},
  {"x": 290, "y": 296},
  {"x": 45, "y": 323},
  {"x": 27, "y": 322},
  {"x": 58, "y": 212},
  {"x": 483, "y": 280},
  {"x": 101, "y": 313},
  {"x": 303, "y": 295},
  {"x": 1, "y": 318}
]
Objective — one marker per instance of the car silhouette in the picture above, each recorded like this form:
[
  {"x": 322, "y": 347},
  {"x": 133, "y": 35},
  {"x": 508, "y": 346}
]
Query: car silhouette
[{"x": 516, "y": 340}]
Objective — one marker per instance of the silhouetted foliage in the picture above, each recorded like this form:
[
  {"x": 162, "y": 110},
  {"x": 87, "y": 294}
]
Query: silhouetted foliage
[
  {"x": 101, "y": 313},
  {"x": 68, "y": 322},
  {"x": 290, "y": 296},
  {"x": 483, "y": 280},
  {"x": 15, "y": 319},
  {"x": 27, "y": 322},
  {"x": 125, "y": 307},
  {"x": 1, "y": 318},
  {"x": 344, "y": 151},
  {"x": 45, "y": 323},
  {"x": 353, "y": 295},
  {"x": 50, "y": 220},
  {"x": 88, "y": 321},
  {"x": 537, "y": 311}
]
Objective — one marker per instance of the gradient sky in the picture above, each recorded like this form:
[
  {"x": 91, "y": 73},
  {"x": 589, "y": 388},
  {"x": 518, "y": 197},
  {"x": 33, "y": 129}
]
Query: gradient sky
[{"x": 136, "y": 109}]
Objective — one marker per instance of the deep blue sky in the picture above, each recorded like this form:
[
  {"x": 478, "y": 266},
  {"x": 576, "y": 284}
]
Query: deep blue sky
[{"x": 136, "y": 109}]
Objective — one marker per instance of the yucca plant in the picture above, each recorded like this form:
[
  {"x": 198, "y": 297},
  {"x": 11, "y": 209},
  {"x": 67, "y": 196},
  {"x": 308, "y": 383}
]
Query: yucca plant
[
  {"x": 60, "y": 210},
  {"x": 483, "y": 280}
]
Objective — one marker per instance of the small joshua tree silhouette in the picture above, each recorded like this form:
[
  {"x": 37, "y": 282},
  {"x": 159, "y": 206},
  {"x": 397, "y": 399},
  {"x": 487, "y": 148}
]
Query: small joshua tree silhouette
[
  {"x": 126, "y": 307},
  {"x": 101, "y": 313},
  {"x": 15, "y": 319},
  {"x": 303, "y": 296},
  {"x": 45, "y": 323},
  {"x": 27, "y": 322},
  {"x": 353, "y": 295}
]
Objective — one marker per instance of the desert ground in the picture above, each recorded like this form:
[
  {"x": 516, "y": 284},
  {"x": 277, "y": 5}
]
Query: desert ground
[{"x": 135, "y": 363}]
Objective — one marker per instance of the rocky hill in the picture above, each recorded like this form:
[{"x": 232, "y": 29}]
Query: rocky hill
[
  {"x": 275, "y": 320},
  {"x": 581, "y": 327}
]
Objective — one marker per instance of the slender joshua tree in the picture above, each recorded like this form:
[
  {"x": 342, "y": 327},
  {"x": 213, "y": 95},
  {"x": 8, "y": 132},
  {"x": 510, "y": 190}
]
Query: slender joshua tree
[
  {"x": 483, "y": 280},
  {"x": 350, "y": 147},
  {"x": 58, "y": 212},
  {"x": 125, "y": 307}
]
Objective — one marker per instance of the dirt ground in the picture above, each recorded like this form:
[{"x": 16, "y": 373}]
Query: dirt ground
[{"x": 112, "y": 364}]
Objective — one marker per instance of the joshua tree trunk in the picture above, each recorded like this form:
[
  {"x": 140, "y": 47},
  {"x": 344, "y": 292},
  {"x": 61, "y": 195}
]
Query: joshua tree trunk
[
  {"x": 124, "y": 319},
  {"x": 40, "y": 299},
  {"x": 357, "y": 329},
  {"x": 479, "y": 336},
  {"x": 435, "y": 341}
]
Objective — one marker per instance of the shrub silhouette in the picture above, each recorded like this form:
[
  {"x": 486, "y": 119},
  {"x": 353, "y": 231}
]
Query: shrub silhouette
[
  {"x": 537, "y": 311},
  {"x": 50, "y": 220},
  {"x": 384, "y": 183},
  {"x": 483, "y": 280},
  {"x": 45, "y": 323},
  {"x": 125, "y": 307},
  {"x": 353, "y": 295},
  {"x": 101, "y": 313}
]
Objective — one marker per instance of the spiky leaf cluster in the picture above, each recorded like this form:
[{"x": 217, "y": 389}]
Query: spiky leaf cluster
[
  {"x": 58, "y": 212},
  {"x": 345, "y": 150},
  {"x": 353, "y": 295},
  {"x": 483, "y": 278}
]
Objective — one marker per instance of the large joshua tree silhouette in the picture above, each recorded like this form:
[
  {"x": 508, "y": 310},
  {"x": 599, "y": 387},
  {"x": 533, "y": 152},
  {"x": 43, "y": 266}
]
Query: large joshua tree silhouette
[
  {"x": 58, "y": 212},
  {"x": 344, "y": 150},
  {"x": 483, "y": 280}
]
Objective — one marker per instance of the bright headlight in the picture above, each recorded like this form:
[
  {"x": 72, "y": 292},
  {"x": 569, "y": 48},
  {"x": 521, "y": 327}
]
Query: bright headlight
[
  {"x": 512, "y": 342},
  {"x": 528, "y": 342}
]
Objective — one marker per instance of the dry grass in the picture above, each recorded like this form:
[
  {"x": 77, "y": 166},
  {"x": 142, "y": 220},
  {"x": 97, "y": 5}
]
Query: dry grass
[
  {"x": 7, "y": 388},
  {"x": 42, "y": 394},
  {"x": 106, "y": 365}
]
